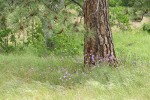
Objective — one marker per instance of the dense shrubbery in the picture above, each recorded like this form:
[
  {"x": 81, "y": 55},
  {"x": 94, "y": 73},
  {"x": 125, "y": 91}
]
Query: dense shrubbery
[
  {"x": 114, "y": 3},
  {"x": 6, "y": 37},
  {"x": 65, "y": 43},
  {"x": 119, "y": 17},
  {"x": 59, "y": 36}
]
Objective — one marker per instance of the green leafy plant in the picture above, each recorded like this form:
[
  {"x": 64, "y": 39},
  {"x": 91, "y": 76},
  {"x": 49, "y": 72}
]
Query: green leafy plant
[
  {"x": 64, "y": 44},
  {"x": 146, "y": 27},
  {"x": 114, "y": 3},
  {"x": 4, "y": 40},
  {"x": 119, "y": 17}
]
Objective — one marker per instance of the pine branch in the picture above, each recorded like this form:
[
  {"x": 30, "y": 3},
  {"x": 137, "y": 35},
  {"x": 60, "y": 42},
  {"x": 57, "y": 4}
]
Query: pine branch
[{"x": 77, "y": 3}]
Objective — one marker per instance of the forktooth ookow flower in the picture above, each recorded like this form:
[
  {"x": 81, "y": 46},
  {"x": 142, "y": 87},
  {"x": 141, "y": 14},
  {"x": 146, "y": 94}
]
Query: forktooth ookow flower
[
  {"x": 65, "y": 76},
  {"x": 93, "y": 59},
  {"x": 111, "y": 57}
]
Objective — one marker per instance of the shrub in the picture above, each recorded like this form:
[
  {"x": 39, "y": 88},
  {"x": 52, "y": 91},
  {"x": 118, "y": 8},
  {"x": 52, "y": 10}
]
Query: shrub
[
  {"x": 36, "y": 40},
  {"x": 114, "y": 3},
  {"x": 66, "y": 34},
  {"x": 64, "y": 44},
  {"x": 119, "y": 17},
  {"x": 146, "y": 27},
  {"x": 6, "y": 36}
]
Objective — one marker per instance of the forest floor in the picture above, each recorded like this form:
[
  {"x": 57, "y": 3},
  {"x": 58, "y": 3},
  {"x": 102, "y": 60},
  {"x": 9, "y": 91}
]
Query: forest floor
[
  {"x": 136, "y": 24},
  {"x": 29, "y": 77}
]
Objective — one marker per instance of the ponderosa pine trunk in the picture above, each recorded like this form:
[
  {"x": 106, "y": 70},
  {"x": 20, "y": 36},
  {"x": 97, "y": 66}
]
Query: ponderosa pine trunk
[{"x": 98, "y": 45}]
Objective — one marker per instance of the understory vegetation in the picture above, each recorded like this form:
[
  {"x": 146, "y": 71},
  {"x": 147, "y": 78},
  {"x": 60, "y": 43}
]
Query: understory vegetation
[
  {"x": 41, "y": 53},
  {"x": 27, "y": 76}
]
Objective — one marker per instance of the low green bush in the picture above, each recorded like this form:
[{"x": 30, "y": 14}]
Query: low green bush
[
  {"x": 119, "y": 17},
  {"x": 65, "y": 44},
  {"x": 6, "y": 36},
  {"x": 146, "y": 27}
]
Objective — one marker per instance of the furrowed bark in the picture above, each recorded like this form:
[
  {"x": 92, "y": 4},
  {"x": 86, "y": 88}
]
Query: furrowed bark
[{"x": 98, "y": 45}]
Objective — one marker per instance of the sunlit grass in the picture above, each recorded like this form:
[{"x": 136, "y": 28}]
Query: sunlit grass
[{"x": 29, "y": 77}]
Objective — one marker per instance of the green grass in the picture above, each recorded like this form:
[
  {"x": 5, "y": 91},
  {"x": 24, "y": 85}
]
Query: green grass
[{"x": 29, "y": 77}]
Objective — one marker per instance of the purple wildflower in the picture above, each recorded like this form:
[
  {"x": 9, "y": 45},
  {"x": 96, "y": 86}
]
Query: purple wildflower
[
  {"x": 86, "y": 61},
  {"x": 106, "y": 59},
  {"x": 65, "y": 76},
  {"x": 90, "y": 50},
  {"x": 93, "y": 59},
  {"x": 111, "y": 57}
]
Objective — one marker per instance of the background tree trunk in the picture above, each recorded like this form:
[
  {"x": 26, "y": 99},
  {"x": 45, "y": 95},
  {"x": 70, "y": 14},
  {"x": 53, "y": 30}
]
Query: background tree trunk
[{"x": 98, "y": 45}]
